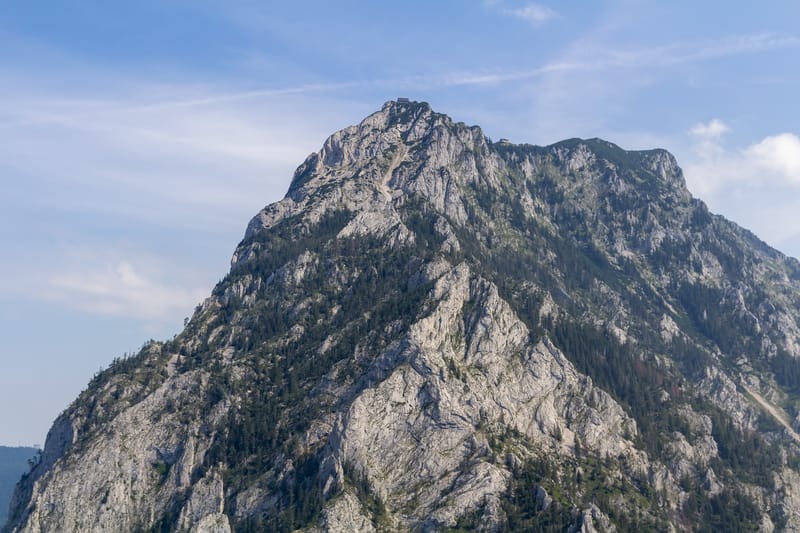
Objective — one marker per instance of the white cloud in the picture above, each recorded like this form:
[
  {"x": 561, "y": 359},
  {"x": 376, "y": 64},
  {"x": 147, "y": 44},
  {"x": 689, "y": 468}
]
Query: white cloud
[
  {"x": 756, "y": 186},
  {"x": 536, "y": 14},
  {"x": 707, "y": 139},
  {"x": 774, "y": 160},
  {"x": 778, "y": 155},
  {"x": 714, "y": 129}
]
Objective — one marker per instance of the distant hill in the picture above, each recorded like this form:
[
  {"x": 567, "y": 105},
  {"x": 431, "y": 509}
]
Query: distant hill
[{"x": 13, "y": 463}]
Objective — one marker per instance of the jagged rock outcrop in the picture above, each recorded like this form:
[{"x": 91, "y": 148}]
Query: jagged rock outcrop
[{"x": 433, "y": 331}]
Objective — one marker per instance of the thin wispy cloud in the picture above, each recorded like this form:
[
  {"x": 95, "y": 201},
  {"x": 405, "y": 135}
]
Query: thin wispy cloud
[
  {"x": 535, "y": 14},
  {"x": 105, "y": 279},
  {"x": 601, "y": 58},
  {"x": 688, "y": 52},
  {"x": 213, "y": 152},
  {"x": 222, "y": 98},
  {"x": 120, "y": 289}
]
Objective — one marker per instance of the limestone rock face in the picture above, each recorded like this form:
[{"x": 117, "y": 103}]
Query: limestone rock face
[{"x": 434, "y": 331}]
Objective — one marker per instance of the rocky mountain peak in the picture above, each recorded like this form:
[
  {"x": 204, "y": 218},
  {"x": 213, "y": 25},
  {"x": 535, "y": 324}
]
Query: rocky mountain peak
[
  {"x": 434, "y": 331},
  {"x": 400, "y": 132}
]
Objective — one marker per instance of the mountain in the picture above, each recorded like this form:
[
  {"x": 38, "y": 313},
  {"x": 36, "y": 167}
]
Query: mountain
[
  {"x": 13, "y": 464},
  {"x": 436, "y": 332}
]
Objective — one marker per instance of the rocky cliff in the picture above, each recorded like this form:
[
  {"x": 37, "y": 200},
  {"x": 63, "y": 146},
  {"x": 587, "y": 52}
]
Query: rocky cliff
[{"x": 435, "y": 332}]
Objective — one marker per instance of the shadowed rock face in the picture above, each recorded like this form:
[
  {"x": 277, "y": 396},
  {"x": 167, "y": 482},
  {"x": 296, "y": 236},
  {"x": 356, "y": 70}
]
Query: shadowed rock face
[{"x": 435, "y": 331}]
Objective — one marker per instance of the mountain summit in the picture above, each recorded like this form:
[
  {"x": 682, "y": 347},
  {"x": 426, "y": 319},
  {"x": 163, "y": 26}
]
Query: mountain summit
[{"x": 436, "y": 332}]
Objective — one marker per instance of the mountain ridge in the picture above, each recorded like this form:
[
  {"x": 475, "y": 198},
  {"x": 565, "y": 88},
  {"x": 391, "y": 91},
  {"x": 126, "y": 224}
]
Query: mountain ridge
[{"x": 435, "y": 331}]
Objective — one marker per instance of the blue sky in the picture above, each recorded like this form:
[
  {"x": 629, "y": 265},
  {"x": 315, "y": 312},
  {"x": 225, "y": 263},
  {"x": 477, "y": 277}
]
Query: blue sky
[{"x": 138, "y": 138}]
